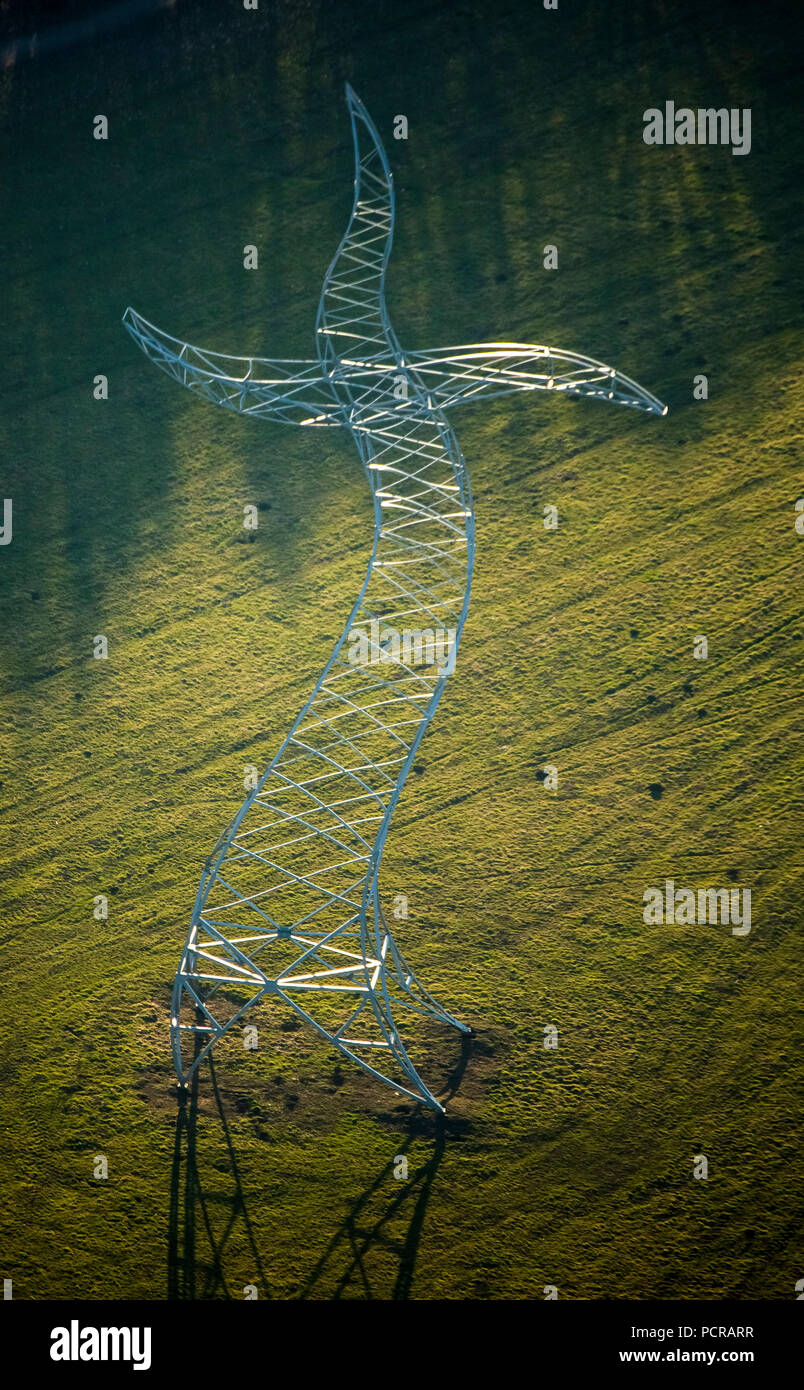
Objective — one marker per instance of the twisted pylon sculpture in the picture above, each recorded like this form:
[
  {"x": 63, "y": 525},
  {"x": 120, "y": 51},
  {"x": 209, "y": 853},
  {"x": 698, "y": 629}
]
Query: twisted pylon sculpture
[{"x": 289, "y": 901}]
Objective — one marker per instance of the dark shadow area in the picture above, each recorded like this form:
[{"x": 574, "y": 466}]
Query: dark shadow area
[
  {"x": 343, "y": 1270},
  {"x": 455, "y": 1076},
  {"x": 193, "y": 1207},
  {"x": 371, "y": 1255}
]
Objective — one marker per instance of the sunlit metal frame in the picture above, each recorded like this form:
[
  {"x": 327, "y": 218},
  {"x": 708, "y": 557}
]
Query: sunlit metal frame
[{"x": 331, "y": 789}]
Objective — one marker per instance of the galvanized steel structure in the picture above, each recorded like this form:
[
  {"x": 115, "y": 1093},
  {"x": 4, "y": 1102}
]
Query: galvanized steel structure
[{"x": 289, "y": 905}]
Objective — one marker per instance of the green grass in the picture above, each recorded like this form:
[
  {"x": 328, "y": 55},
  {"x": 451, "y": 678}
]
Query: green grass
[{"x": 570, "y": 1167}]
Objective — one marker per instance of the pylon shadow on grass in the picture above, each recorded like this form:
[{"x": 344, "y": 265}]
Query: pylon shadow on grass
[{"x": 371, "y": 1255}]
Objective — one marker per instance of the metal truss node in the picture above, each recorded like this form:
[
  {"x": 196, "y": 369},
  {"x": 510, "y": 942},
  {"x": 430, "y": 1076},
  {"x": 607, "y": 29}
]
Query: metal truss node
[{"x": 289, "y": 906}]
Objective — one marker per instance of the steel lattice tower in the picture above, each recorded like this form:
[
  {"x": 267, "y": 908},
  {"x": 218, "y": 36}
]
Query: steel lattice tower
[{"x": 289, "y": 904}]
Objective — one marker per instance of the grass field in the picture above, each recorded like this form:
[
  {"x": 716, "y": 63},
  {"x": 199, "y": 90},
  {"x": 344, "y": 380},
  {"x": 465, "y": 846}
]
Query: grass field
[{"x": 570, "y": 1167}]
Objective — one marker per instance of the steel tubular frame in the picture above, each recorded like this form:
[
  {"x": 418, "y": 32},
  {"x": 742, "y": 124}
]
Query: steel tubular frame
[{"x": 289, "y": 902}]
